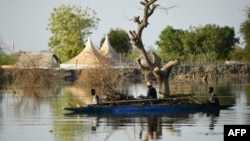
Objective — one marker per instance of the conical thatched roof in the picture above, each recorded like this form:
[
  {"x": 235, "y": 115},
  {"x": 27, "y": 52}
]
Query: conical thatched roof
[
  {"x": 108, "y": 51},
  {"x": 88, "y": 57}
]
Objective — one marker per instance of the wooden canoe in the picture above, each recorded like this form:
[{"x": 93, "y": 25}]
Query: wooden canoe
[{"x": 151, "y": 107}]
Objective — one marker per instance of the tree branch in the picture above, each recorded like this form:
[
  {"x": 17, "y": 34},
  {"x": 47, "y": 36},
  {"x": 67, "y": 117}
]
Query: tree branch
[
  {"x": 136, "y": 36},
  {"x": 170, "y": 65}
]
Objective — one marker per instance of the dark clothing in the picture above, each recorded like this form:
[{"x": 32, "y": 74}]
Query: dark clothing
[{"x": 151, "y": 93}]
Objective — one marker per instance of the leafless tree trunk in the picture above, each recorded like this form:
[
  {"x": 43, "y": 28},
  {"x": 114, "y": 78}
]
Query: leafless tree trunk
[{"x": 152, "y": 61}]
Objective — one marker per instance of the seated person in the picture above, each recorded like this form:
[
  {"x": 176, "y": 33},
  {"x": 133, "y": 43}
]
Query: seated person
[
  {"x": 96, "y": 99},
  {"x": 151, "y": 94},
  {"x": 214, "y": 100}
]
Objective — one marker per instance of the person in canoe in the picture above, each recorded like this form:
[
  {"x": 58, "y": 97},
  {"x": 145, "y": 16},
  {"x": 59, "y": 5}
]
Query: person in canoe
[
  {"x": 151, "y": 94},
  {"x": 96, "y": 99},
  {"x": 214, "y": 100}
]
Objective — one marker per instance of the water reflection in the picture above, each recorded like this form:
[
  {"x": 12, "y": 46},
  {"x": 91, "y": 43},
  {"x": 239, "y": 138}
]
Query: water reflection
[
  {"x": 144, "y": 127},
  {"x": 154, "y": 127},
  {"x": 95, "y": 123},
  {"x": 37, "y": 115},
  {"x": 83, "y": 95},
  {"x": 213, "y": 118},
  {"x": 70, "y": 130},
  {"x": 27, "y": 101}
]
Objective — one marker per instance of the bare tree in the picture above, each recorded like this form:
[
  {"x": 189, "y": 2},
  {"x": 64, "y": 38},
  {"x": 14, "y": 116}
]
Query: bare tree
[{"x": 152, "y": 61}]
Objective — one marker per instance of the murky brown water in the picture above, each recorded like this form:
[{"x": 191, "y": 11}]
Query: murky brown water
[{"x": 42, "y": 119}]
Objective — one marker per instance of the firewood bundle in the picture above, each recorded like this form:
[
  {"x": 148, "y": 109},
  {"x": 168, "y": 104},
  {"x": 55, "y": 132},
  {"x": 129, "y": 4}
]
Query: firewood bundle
[{"x": 113, "y": 95}]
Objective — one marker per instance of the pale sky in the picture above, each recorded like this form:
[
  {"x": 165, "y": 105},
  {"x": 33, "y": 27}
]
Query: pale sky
[{"x": 25, "y": 21}]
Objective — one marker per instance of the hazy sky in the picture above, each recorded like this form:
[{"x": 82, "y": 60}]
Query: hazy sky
[{"x": 25, "y": 21}]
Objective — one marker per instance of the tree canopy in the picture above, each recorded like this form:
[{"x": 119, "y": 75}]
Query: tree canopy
[
  {"x": 245, "y": 31},
  {"x": 170, "y": 41},
  {"x": 210, "y": 42},
  {"x": 70, "y": 26},
  {"x": 120, "y": 41}
]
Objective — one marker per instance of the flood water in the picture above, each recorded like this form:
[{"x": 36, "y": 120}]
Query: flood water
[{"x": 29, "y": 118}]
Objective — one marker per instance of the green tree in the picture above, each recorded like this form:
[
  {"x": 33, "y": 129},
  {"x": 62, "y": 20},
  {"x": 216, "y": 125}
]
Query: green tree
[
  {"x": 210, "y": 42},
  {"x": 8, "y": 59},
  {"x": 238, "y": 55},
  {"x": 245, "y": 31},
  {"x": 120, "y": 41},
  {"x": 192, "y": 43},
  {"x": 69, "y": 26},
  {"x": 170, "y": 43},
  {"x": 218, "y": 41}
]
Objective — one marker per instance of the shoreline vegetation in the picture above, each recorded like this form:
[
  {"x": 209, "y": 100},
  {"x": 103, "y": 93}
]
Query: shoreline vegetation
[
  {"x": 49, "y": 77},
  {"x": 185, "y": 80}
]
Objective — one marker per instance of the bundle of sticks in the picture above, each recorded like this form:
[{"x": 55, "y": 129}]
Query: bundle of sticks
[{"x": 113, "y": 95}]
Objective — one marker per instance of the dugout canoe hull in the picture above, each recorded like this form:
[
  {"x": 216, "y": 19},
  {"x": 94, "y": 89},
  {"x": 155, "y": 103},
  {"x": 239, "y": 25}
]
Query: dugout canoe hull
[{"x": 145, "y": 109}]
